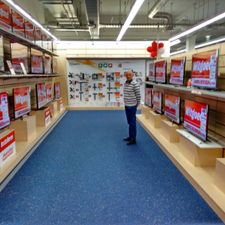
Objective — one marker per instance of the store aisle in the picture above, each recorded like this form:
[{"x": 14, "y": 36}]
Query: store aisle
[{"x": 84, "y": 174}]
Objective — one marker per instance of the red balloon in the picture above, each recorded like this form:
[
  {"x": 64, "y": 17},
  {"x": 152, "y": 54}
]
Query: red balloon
[
  {"x": 154, "y": 45},
  {"x": 161, "y": 45},
  {"x": 153, "y": 54},
  {"x": 149, "y": 48}
]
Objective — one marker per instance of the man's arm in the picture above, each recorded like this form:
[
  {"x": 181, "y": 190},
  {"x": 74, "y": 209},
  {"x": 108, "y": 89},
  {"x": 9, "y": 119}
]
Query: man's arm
[{"x": 137, "y": 93}]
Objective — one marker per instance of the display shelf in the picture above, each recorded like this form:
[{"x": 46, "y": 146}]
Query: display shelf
[
  {"x": 202, "y": 178},
  {"x": 24, "y": 149},
  {"x": 192, "y": 90},
  {"x": 220, "y": 174},
  {"x": 4, "y": 76}
]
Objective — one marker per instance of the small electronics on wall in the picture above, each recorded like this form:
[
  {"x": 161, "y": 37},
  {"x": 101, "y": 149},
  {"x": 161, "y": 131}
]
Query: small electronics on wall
[
  {"x": 41, "y": 95},
  {"x": 48, "y": 64},
  {"x": 177, "y": 70},
  {"x": 37, "y": 62},
  {"x": 196, "y": 118},
  {"x": 150, "y": 68},
  {"x": 19, "y": 55},
  {"x": 49, "y": 91},
  {"x": 57, "y": 90},
  {"x": 160, "y": 71},
  {"x": 148, "y": 97},
  {"x": 172, "y": 108},
  {"x": 4, "y": 110},
  {"x": 22, "y": 101},
  {"x": 204, "y": 69},
  {"x": 157, "y": 101}
]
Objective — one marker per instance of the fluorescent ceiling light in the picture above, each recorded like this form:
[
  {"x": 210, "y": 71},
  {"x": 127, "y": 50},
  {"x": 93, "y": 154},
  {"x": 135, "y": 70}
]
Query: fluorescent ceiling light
[
  {"x": 199, "y": 26},
  {"x": 137, "y": 5},
  {"x": 210, "y": 43},
  {"x": 177, "y": 52},
  {"x": 176, "y": 42},
  {"x": 19, "y": 9}
]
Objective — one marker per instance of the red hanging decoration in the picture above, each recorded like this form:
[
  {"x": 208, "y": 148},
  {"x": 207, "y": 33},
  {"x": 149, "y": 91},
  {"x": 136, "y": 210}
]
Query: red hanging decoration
[{"x": 153, "y": 49}]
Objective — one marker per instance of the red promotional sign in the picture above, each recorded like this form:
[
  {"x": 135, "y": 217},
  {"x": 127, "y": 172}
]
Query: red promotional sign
[
  {"x": 177, "y": 71},
  {"x": 160, "y": 71},
  {"x": 204, "y": 69},
  {"x": 151, "y": 71},
  {"x": 148, "y": 97},
  {"x": 172, "y": 108},
  {"x": 36, "y": 64},
  {"x": 18, "y": 23},
  {"x": 57, "y": 90},
  {"x": 196, "y": 118},
  {"x": 4, "y": 110},
  {"x": 41, "y": 95},
  {"x": 22, "y": 104},
  {"x": 157, "y": 101},
  {"x": 5, "y": 16},
  {"x": 29, "y": 30},
  {"x": 48, "y": 87}
]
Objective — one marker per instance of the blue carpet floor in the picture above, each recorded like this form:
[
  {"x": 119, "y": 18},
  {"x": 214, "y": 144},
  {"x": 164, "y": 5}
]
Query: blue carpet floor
[{"x": 84, "y": 174}]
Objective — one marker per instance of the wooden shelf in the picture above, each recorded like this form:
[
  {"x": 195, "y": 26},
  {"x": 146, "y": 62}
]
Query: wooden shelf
[
  {"x": 24, "y": 149},
  {"x": 192, "y": 90},
  {"x": 5, "y": 76},
  {"x": 202, "y": 178}
]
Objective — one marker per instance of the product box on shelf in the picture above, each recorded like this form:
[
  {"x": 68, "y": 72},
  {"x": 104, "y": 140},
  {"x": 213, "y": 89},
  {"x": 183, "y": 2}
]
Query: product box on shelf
[{"x": 43, "y": 117}]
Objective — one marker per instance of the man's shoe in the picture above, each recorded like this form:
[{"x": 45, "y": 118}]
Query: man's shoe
[
  {"x": 131, "y": 142},
  {"x": 126, "y": 139}
]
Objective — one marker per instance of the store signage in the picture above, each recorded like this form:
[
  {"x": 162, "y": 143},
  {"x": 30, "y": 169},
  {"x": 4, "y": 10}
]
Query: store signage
[
  {"x": 157, "y": 101},
  {"x": 57, "y": 90},
  {"x": 160, "y": 71},
  {"x": 48, "y": 87},
  {"x": 41, "y": 95},
  {"x": 151, "y": 71},
  {"x": 48, "y": 62},
  {"x": 5, "y": 16},
  {"x": 172, "y": 108},
  {"x": 29, "y": 30},
  {"x": 177, "y": 71},
  {"x": 22, "y": 103},
  {"x": 4, "y": 110},
  {"x": 105, "y": 65},
  {"x": 47, "y": 116},
  {"x": 36, "y": 64},
  {"x": 7, "y": 147},
  {"x": 196, "y": 118},
  {"x": 18, "y": 23},
  {"x": 204, "y": 69},
  {"x": 148, "y": 97}
]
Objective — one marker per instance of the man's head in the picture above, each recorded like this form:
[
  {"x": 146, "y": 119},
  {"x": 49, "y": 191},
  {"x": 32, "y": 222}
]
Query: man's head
[{"x": 129, "y": 75}]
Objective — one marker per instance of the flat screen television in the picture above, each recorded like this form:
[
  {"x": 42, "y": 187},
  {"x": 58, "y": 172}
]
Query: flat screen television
[
  {"x": 177, "y": 69},
  {"x": 22, "y": 101},
  {"x": 160, "y": 71},
  {"x": 57, "y": 90},
  {"x": 41, "y": 95},
  {"x": 157, "y": 101},
  {"x": 49, "y": 92},
  {"x": 29, "y": 31},
  {"x": 5, "y": 16},
  {"x": 4, "y": 110},
  {"x": 196, "y": 118},
  {"x": 148, "y": 97},
  {"x": 172, "y": 108},
  {"x": 204, "y": 69},
  {"x": 150, "y": 67},
  {"x": 37, "y": 62},
  {"x": 19, "y": 55},
  {"x": 18, "y": 24},
  {"x": 38, "y": 36},
  {"x": 48, "y": 64}
]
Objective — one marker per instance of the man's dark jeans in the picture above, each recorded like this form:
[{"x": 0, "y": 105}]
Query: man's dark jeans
[{"x": 131, "y": 120}]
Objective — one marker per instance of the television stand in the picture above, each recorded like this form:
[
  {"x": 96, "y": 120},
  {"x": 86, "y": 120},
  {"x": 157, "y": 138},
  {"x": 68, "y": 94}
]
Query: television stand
[
  {"x": 198, "y": 152},
  {"x": 155, "y": 119}
]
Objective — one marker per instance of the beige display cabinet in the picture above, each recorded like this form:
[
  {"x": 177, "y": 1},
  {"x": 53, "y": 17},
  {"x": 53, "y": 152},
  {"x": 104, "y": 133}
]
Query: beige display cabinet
[{"x": 220, "y": 174}]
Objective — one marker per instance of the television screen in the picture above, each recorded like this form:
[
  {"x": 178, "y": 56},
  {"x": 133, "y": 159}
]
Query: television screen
[
  {"x": 5, "y": 16},
  {"x": 48, "y": 64},
  {"x": 204, "y": 69},
  {"x": 148, "y": 97},
  {"x": 196, "y": 118},
  {"x": 49, "y": 91},
  {"x": 29, "y": 31},
  {"x": 177, "y": 71},
  {"x": 172, "y": 108},
  {"x": 36, "y": 62},
  {"x": 150, "y": 70},
  {"x": 18, "y": 24},
  {"x": 157, "y": 101},
  {"x": 4, "y": 110},
  {"x": 38, "y": 36},
  {"x": 41, "y": 95},
  {"x": 57, "y": 90},
  {"x": 19, "y": 55},
  {"x": 160, "y": 71},
  {"x": 22, "y": 102}
]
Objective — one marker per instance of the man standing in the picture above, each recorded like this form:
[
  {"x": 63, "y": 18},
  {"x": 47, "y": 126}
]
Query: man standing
[{"x": 132, "y": 98}]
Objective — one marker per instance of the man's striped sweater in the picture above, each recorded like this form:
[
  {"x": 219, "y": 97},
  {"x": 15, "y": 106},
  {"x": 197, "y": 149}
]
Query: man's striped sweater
[{"x": 132, "y": 95}]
